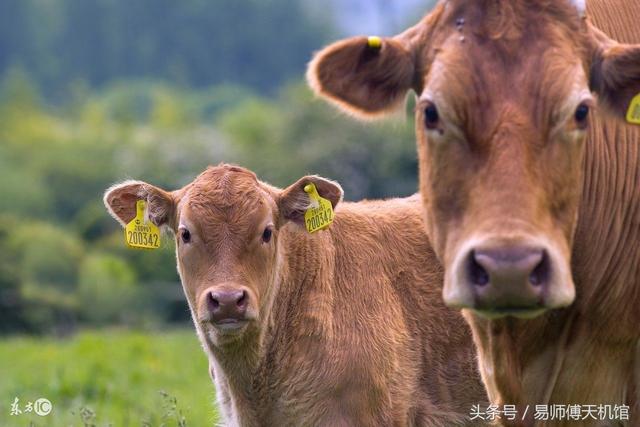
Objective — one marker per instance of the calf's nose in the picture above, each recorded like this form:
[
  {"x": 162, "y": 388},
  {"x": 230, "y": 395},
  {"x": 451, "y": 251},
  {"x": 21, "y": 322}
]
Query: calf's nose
[
  {"x": 227, "y": 304},
  {"x": 515, "y": 277}
]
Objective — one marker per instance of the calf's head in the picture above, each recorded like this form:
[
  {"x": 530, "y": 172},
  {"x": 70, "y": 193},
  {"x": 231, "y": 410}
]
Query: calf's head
[
  {"x": 226, "y": 225},
  {"x": 505, "y": 91}
]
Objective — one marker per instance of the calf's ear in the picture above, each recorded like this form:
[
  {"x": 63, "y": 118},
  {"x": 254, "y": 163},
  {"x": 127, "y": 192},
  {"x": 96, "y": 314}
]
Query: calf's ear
[
  {"x": 121, "y": 199},
  {"x": 615, "y": 74},
  {"x": 293, "y": 201},
  {"x": 363, "y": 76}
]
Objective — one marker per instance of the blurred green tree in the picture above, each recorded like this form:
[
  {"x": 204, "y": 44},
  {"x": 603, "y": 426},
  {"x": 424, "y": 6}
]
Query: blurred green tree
[
  {"x": 106, "y": 289},
  {"x": 297, "y": 135},
  {"x": 255, "y": 43},
  {"x": 12, "y": 305}
]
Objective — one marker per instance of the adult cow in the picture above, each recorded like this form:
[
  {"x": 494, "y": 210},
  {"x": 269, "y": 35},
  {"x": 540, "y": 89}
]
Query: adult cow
[
  {"x": 531, "y": 195},
  {"x": 343, "y": 327}
]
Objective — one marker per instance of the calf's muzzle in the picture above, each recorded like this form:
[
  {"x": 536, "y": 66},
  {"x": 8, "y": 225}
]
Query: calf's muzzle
[{"x": 225, "y": 306}]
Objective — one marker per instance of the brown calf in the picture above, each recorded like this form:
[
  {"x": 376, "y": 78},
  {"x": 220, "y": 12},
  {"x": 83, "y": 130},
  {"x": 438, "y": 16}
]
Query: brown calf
[
  {"x": 340, "y": 327},
  {"x": 531, "y": 194}
]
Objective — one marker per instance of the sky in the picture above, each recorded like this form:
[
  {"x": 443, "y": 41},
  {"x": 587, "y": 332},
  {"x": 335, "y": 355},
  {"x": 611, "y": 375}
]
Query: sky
[{"x": 378, "y": 17}]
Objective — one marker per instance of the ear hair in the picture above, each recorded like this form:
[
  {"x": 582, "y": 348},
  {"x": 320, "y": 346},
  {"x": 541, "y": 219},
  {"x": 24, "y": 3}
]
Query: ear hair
[
  {"x": 298, "y": 201},
  {"x": 158, "y": 209},
  {"x": 120, "y": 201},
  {"x": 294, "y": 201},
  {"x": 615, "y": 75}
]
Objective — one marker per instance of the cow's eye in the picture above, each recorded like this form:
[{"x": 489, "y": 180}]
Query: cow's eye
[
  {"x": 266, "y": 234},
  {"x": 431, "y": 116},
  {"x": 582, "y": 114},
  {"x": 185, "y": 235}
]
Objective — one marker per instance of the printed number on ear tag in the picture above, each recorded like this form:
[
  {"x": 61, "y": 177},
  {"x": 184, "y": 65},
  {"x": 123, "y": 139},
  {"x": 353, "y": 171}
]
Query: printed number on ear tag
[
  {"x": 633, "y": 115},
  {"x": 320, "y": 215},
  {"x": 140, "y": 232}
]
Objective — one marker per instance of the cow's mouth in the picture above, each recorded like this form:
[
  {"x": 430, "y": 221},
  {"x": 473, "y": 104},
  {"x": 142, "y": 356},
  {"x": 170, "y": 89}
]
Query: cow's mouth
[
  {"x": 230, "y": 325},
  {"x": 511, "y": 311}
]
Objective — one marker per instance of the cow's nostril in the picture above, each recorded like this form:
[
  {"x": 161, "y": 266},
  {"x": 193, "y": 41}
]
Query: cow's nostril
[
  {"x": 477, "y": 273},
  {"x": 242, "y": 300},
  {"x": 540, "y": 273},
  {"x": 213, "y": 302}
]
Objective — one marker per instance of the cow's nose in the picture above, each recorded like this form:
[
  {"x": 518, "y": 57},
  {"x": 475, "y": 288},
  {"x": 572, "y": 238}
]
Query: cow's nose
[
  {"x": 508, "y": 278},
  {"x": 227, "y": 305}
]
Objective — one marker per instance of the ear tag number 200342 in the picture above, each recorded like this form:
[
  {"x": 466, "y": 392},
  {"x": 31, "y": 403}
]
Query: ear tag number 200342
[
  {"x": 320, "y": 215},
  {"x": 140, "y": 232}
]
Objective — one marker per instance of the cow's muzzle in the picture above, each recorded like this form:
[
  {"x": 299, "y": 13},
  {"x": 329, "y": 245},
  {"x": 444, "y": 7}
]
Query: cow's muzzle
[
  {"x": 226, "y": 308},
  {"x": 509, "y": 278}
]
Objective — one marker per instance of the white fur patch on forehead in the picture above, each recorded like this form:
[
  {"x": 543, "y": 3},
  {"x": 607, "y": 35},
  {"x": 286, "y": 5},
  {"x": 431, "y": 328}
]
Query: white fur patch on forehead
[{"x": 580, "y": 5}]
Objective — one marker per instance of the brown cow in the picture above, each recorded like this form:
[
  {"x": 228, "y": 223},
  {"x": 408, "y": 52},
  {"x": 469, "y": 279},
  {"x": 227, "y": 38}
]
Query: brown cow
[
  {"x": 340, "y": 327},
  {"x": 532, "y": 198}
]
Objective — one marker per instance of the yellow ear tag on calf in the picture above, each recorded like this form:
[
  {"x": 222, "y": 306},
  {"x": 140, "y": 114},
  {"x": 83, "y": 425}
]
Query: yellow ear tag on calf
[
  {"x": 140, "y": 232},
  {"x": 633, "y": 115},
  {"x": 320, "y": 215}
]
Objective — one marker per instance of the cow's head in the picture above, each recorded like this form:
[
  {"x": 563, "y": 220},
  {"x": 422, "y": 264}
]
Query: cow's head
[
  {"x": 226, "y": 225},
  {"x": 505, "y": 93}
]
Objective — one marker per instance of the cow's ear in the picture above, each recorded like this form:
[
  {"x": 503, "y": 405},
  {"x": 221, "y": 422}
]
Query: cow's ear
[
  {"x": 615, "y": 74},
  {"x": 363, "y": 76},
  {"x": 293, "y": 201},
  {"x": 121, "y": 199}
]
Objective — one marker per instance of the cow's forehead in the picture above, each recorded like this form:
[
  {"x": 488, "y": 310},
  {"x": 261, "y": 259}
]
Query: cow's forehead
[
  {"x": 224, "y": 186},
  {"x": 225, "y": 197},
  {"x": 506, "y": 32},
  {"x": 480, "y": 75},
  {"x": 527, "y": 58},
  {"x": 499, "y": 16}
]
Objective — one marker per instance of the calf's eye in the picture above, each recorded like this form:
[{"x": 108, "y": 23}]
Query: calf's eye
[
  {"x": 266, "y": 234},
  {"x": 582, "y": 114},
  {"x": 431, "y": 116},
  {"x": 185, "y": 235}
]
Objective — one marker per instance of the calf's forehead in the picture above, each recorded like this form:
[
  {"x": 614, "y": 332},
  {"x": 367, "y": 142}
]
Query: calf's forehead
[{"x": 225, "y": 202}]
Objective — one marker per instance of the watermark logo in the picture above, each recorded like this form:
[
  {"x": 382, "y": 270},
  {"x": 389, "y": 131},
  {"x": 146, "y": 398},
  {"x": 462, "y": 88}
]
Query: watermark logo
[
  {"x": 551, "y": 412},
  {"x": 41, "y": 407}
]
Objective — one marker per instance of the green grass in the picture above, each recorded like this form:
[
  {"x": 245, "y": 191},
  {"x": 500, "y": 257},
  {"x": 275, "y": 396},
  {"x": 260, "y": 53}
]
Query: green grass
[{"x": 112, "y": 377}]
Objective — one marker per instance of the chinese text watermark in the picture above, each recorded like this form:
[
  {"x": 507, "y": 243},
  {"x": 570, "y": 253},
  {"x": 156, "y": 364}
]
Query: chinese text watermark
[
  {"x": 551, "y": 412},
  {"x": 41, "y": 407}
]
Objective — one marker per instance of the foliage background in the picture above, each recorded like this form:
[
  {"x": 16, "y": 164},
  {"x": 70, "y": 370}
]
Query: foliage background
[{"x": 94, "y": 92}]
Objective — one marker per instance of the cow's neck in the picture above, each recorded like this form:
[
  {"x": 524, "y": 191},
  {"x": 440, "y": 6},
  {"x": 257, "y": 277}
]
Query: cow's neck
[
  {"x": 233, "y": 366},
  {"x": 549, "y": 360},
  {"x": 606, "y": 256},
  {"x": 295, "y": 320},
  {"x": 509, "y": 347}
]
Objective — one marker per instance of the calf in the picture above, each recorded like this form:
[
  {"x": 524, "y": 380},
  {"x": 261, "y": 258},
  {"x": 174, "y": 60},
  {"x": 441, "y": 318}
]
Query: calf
[{"x": 340, "y": 327}]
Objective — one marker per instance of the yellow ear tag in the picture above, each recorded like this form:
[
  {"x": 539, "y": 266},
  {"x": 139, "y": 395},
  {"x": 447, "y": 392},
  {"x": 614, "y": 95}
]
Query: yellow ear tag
[
  {"x": 374, "y": 42},
  {"x": 633, "y": 115},
  {"x": 140, "y": 232},
  {"x": 320, "y": 215}
]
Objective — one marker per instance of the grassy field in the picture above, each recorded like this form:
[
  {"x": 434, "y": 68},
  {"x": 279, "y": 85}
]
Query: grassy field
[{"x": 112, "y": 377}]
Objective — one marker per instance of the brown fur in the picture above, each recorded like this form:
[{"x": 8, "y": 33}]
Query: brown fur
[
  {"x": 508, "y": 161},
  {"x": 348, "y": 327}
]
